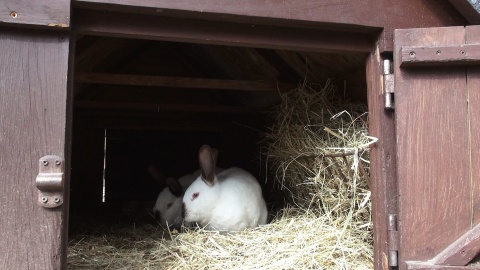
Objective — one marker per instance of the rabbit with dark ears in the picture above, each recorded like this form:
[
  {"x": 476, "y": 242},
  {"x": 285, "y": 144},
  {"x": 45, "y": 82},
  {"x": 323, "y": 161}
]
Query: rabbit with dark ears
[
  {"x": 227, "y": 201},
  {"x": 168, "y": 207}
]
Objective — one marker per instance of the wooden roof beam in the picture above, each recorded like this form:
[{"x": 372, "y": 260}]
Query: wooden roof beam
[
  {"x": 150, "y": 107},
  {"x": 179, "y": 82}
]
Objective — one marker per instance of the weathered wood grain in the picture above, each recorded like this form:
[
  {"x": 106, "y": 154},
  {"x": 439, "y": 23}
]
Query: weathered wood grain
[
  {"x": 181, "y": 29},
  {"x": 351, "y": 14},
  {"x": 432, "y": 148},
  {"x": 412, "y": 265},
  {"x": 151, "y": 107},
  {"x": 472, "y": 36},
  {"x": 465, "y": 54},
  {"x": 382, "y": 160},
  {"x": 33, "y": 93},
  {"x": 365, "y": 16},
  {"x": 465, "y": 8},
  {"x": 180, "y": 82},
  {"x": 462, "y": 251},
  {"x": 45, "y": 13}
]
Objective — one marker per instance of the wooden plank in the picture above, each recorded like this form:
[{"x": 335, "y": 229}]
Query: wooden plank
[
  {"x": 382, "y": 160},
  {"x": 465, "y": 54},
  {"x": 342, "y": 15},
  {"x": 131, "y": 123},
  {"x": 466, "y": 9},
  {"x": 432, "y": 148},
  {"x": 473, "y": 84},
  {"x": 33, "y": 106},
  {"x": 344, "y": 12},
  {"x": 249, "y": 63},
  {"x": 149, "y": 107},
  {"x": 180, "y": 82},
  {"x": 49, "y": 13},
  {"x": 428, "y": 266},
  {"x": 103, "y": 53},
  {"x": 180, "y": 29},
  {"x": 462, "y": 251}
]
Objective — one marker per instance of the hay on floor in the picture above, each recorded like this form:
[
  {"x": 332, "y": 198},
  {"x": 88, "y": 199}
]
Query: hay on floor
[{"x": 295, "y": 240}]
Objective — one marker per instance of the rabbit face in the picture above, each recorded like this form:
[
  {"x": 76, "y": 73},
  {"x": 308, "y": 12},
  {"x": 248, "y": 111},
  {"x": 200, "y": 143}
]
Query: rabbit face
[
  {"x": 167, "y": 209},
  {"x": 198, "y": 202},
  {"x": 168, "y": 206}
]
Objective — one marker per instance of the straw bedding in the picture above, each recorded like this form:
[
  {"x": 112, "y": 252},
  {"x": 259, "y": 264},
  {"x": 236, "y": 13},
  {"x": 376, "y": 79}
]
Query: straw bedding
[{"x": 317, "y": 154}]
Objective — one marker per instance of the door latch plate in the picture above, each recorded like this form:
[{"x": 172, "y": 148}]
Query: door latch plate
[{"x": 50, "y": 181}]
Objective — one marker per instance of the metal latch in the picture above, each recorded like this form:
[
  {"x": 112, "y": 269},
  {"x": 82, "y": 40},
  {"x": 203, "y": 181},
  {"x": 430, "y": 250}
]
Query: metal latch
[
  {"x": 50, "y": 181},
  {"x": 388, "y": 84},
  {"x": 392, "y": 234}
]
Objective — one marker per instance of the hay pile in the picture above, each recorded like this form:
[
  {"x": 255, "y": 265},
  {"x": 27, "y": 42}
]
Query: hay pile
[
  {"x": 317, "y": 151},
  {"x": 295, "y": 240}
]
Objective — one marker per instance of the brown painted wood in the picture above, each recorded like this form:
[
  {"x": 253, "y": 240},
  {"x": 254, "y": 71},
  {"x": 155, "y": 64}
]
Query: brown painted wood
[
  {"x": 142, "y": 26},
  {"x": 466, "y": 9},
  {"x": 462, "y": 251},
  {"x": 472, "y": 36},
  {"x": 351, "y": 14},
  {"x": 49, "y": 13},
  {"x": 344, "y": 15},
  {"x": 426, "y": 266},
  {"x": 132, "y": 123},
  {"x": 33, "y": 92},
  {"x": 432, "y": 148},
  {"x": 179, "y": 82},
  {"x": 149, "y": 107},
  {"x": 243, "y": 57},
  {"x": 382, "y": 160},
  {"x": 465, "y": 54}
]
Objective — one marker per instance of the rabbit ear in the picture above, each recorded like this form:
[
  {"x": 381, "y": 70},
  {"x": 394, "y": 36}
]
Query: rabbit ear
[
  {"x": 207, "y": 164},
  {"x": 215, "y": 155},
  {"x": 159, "y": 179},
  {"x": 174, "y": 186},
  {"x": 156, "y": 174}
]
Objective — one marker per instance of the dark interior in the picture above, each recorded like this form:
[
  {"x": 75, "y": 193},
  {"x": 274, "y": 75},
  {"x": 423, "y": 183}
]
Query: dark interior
[{"x": 156, "y": 102}]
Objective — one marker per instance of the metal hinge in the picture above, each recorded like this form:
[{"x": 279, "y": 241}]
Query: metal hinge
[
  {"x": 392, "y": 234},
  {"x": 50, "y": 181},
  {"x": 388, "y": 84}
]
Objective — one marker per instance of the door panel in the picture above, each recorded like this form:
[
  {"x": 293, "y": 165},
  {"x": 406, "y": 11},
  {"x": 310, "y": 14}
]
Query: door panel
[
  {"x": 33, "y": 95},
  {"x": 432, "y": 148},
  {"x": 473, "y": 85}
]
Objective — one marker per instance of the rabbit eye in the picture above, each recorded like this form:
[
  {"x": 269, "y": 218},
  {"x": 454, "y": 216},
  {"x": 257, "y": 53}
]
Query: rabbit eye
[
  {"x": 195, "y": 195},
  {"x": 169, "y": 205}
]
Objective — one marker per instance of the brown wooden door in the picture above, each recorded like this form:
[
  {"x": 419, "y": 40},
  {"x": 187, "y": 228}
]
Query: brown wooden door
[
  {"x": 437, "y": 111},
  {"x": 33, "y": 124}
]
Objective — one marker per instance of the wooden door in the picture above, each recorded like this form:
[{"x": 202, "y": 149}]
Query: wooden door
[
  {"x": 33, "y": 124},
  {"x": 437, "y": 117}
]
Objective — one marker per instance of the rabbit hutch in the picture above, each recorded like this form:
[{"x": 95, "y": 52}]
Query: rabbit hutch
[{"x": 377, "y": 96}]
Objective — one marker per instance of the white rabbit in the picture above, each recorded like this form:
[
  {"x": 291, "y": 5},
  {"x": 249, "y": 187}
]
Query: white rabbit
[
  {"x": 228, "y": 201},
  {"x": 168, "y": 207}
]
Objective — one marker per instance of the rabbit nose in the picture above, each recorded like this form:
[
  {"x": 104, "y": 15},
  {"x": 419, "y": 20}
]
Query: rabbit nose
[{"x": 183, "y": 210}]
